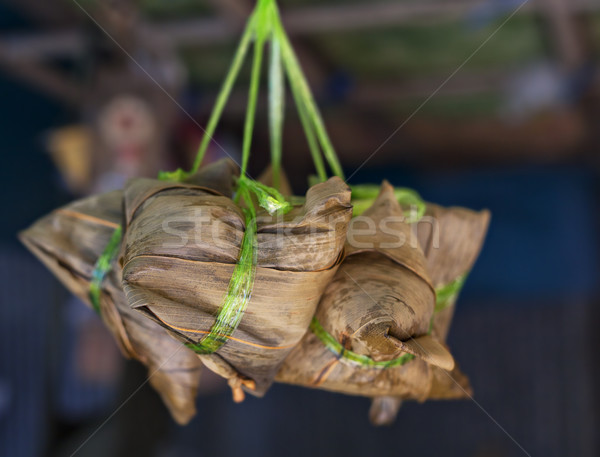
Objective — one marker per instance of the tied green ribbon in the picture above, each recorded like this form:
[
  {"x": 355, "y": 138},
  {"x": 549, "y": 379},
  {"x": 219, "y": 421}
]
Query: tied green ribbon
[
  {"x": 238, "y": 293},
  {"x": 263, "y": 25},
  {"x": 342, "y": 353},
  {"x": 445, "y": 295},
  {"x": 240, "y": 287},
  {"x": 241, "y": 283},
  {"x": 103, "y": 267}
]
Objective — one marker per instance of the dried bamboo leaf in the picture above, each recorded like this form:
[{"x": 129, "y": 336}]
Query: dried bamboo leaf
[
  {"x": 451, "y": 239},
  {"x": 311, "y": 364},
  {"x": 374, "y": 316},
  {"x": 182, "y": 245},
  {"x": 449, "y": 385},
  {"x": 428, "y": 349},
  {"x": 70, "y": 240}
]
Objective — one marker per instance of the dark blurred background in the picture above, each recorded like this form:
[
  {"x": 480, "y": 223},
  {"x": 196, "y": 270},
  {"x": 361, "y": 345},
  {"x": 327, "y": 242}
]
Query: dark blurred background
[{"x": 496, "y": 111}]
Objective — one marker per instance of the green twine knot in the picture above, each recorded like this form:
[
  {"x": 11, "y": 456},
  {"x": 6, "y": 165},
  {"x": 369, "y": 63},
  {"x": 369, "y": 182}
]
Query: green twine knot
[{"x": 268, "y": 198}]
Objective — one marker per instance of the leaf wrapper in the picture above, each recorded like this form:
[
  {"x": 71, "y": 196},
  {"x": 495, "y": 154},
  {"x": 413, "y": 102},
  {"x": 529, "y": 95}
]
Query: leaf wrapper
[
  {"x": 182, "y": 245},
  {"x": 379, "y": 304},
  {"x": 451, "y": 239},
  {"x": 69, "y": 242}
]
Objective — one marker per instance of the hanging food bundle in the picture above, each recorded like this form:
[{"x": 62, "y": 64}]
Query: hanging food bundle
[
  {"x": 69, "y": 241},
  {"x": 379, "y": 330},
  {"x": 179, "y": 268},
  {"x": 451, "y": 239},
  {"x": 374, "y": 317},
  {"x": 346, "y": 290}
]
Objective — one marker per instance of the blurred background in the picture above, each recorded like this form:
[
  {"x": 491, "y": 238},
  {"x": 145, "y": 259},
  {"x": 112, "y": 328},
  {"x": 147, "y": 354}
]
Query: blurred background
[{"x": 481, "y": 103}]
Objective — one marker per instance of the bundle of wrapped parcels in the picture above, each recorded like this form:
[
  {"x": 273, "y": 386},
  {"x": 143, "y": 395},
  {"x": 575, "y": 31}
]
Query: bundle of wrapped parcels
[{"x": 185, "y": 276}]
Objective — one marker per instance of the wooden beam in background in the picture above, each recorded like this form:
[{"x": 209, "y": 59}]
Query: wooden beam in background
[
  {"x": 236, "y": 11},
  {"x": 307, "y": 20},
  {"x": 549, "y": 139},
  {"x": 299, "y": 21}
]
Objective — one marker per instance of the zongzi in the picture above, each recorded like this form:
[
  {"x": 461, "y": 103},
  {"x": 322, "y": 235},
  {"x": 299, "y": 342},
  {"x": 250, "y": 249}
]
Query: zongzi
[
  {"x": 451, "y": 239},
  {"x": 370, "y": 335},
  {"x": 241, "y": 292},
  {"x": 69, "y": 241}
]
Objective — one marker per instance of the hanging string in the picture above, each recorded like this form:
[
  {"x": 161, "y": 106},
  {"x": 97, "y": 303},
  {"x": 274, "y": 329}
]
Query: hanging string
[
  {"x": 276, "y": 111},
  {"x": 310, "y": 134},
  {"x": 265, "y": 24},
  {"x": 262, "y": 29},
  {"x": 221, "y": 101},
  {"x": 298, "y": 80}
]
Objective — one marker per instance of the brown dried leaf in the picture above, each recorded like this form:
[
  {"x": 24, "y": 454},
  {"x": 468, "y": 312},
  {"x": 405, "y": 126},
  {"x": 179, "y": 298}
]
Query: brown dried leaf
[
  {"x": 179, "y": 276},
  {"x": 70, "y": 240},
  {"x": 379, "y": 305}
]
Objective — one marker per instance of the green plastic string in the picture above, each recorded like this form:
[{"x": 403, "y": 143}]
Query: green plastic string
[
  {"x": 240, "y": 286},
  {"x": 300, "y": 85},
  {"x": 342, "y": 353},
  {"x": 364, "y": 195},
  {"x": 239, "y": 291},
  {"x": 265, "y": 24},
  {"x": 234, "y": 69},
  {"x": 102, "y": 268},
  {"x": 241, "y": 283},
  {"x": 268, "y": 197},
  {"x": 445, "y": 295},
  {"x": 276, "y": 110},
  {"x": 311, "y": 139},
  {"x": 263, "y": 21}
]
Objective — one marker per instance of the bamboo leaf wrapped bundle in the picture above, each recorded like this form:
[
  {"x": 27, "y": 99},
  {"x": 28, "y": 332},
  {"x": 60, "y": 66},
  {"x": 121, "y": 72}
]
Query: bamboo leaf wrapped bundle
[
  {"x": 187, "y": 266},
  {"x": 451, "y": 239},
  {"x": 69, "y": 241},
  {"x": 370, "y": 335}
]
